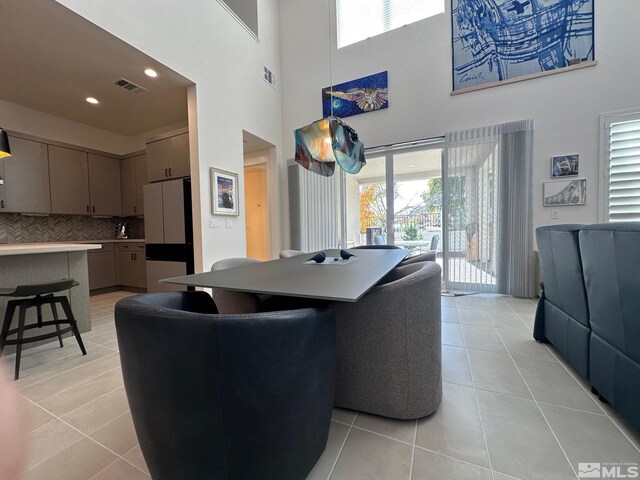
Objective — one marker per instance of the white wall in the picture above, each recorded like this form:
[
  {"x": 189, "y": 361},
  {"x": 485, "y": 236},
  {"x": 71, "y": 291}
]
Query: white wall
[
  {"x": 565, "y": 107},
  {"x": 200, "y": 40}
]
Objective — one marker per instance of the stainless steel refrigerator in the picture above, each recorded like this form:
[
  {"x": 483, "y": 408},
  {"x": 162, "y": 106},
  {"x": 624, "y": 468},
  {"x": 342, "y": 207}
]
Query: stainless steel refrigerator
[{"x": 168, "y": 228}]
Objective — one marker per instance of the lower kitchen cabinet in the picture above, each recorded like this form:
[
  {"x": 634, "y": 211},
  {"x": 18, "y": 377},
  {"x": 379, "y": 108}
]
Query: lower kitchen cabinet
[
  {"x": 102, "y": 267},
  {"x": 130, "y": 265}
]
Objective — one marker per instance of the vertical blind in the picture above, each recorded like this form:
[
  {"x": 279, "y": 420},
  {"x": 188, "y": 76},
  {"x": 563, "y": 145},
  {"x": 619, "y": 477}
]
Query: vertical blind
[
  {"x": 361, "y": 19},
  {"x": 623, "y": 171}
]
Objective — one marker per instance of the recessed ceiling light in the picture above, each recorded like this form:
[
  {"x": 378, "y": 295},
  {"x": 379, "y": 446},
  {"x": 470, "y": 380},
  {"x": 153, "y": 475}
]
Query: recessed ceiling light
[
  {"x": 150, "y": 72},
  {"x": 92, "y": 100},
  {"x": 412, "y": 166}
]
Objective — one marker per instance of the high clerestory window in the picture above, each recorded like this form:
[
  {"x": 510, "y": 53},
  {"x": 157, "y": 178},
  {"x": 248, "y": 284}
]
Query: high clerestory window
[
  {"x": 620, "y": 199},
  {"x": 361, "y": 19}
]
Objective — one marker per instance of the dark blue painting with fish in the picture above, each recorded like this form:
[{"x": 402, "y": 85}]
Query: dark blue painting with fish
[
  {"x": 496, "y": 40},
  {"x": 363, "y": 95}
]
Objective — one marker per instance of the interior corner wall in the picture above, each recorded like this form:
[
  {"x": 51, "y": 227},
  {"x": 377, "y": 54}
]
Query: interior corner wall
[
  {"x": 565, "y": 107},
  {"x": 200, "y": 40}
]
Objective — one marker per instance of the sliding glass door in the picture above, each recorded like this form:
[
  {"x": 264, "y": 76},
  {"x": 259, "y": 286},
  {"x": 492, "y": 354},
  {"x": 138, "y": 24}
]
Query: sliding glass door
[{"x": 397, "y": 198}]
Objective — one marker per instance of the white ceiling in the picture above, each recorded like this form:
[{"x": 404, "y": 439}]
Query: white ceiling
[{"x": 52, "y": 59}]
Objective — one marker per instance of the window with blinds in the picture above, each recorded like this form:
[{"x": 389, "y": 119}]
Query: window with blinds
[
  {"x": 361, "y": 19},
  {"x": 622, "y": 169}
]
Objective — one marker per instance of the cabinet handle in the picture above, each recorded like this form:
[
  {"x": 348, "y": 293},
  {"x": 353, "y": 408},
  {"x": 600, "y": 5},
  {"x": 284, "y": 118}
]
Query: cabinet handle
[
  {"x": 87, "y": 208},
  {"x": 135, "y": 209},
  {"x": 1, "y": 203},
  {"x": 170, "y": 174},
  {"x": 165, "y": 172},
  {"x": 94, "y": 209}
]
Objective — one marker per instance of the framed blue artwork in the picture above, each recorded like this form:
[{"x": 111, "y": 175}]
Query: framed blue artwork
[
  {"x": 498, "y": 40},
  {"x": 358, "y": 96}
]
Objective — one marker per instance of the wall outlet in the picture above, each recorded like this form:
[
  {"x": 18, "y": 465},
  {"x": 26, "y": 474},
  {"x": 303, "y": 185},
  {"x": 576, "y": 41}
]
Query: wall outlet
[
  {"x": 214, "y": 223},
  {"x": 555, "y": 213},
  {"x": 229, "y": 223}
]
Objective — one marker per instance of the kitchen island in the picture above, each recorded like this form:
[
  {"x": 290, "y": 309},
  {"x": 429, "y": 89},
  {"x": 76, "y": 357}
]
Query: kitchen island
[{"x": 24, "y": 263}]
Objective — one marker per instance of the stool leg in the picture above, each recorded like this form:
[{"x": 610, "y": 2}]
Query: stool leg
[
  {"x": 23, "y": 310},
  {"x": 8, "y": 317},
  {"x": 54, "y": 311},
  {"x": 67, "y": 311}
]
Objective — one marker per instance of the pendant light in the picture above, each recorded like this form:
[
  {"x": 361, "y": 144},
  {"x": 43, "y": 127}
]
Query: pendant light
[
  {"x": 325, "y": 142},
  {"x": 5, "y": 151}
]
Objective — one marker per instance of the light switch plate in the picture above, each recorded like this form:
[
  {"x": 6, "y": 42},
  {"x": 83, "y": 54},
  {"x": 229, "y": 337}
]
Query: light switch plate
[
  {"x": 214, "y": 223},
  {"x": 229, "y": 223},
  {"x": 555, "y": 213}
]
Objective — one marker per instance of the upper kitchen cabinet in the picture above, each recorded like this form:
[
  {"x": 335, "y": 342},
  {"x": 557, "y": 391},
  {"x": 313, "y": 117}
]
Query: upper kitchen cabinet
[
  {"x": 133, "y": 176},
  {"x": 26, "y": 178},
  {"x": 69, "y": 175},
  {"x": 168, "y": 157},
  {"x": 104, "y": 185}
]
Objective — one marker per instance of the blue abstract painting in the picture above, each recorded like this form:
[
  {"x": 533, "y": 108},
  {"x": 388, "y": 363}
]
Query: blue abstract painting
[
  {"x": 363, "y": 95},
  {"x": 497, "y": 40}
]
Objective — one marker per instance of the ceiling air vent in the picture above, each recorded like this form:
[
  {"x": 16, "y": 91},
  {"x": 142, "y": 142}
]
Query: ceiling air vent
[{"x": 128, "y": 85}]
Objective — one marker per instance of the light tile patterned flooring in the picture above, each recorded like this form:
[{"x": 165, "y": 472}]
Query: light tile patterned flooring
[{"x": 510, "y": 410}]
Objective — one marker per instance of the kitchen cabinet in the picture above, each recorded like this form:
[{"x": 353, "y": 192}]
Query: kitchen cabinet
[
  {"x": 157, "y": 270},
  {"x": 69, "y": 177},
  {"x": 102, "y": 267},
  {"x": 168, "y": 158},
  {"x": 26, "y": 178},
  {"x": 104, "y": 185},
  {"x": 133, "y": 176},
  {"x": 131, "y": 265},
  {"x": 164, "y": 217}
]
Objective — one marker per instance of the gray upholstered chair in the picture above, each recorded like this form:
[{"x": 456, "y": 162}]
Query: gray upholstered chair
[
  {"x": 422, "y": 257},
  {"x": 291, "y": 253},
  {"x": 229, "y": 301},
  {"x": 435, "y": 240},
  {"x": 389, "y": 347}
]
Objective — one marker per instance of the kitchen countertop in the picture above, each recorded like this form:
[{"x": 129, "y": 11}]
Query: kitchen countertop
[
  {"x": 48, "y": 247},
  {"x": 109, "y": 240}
]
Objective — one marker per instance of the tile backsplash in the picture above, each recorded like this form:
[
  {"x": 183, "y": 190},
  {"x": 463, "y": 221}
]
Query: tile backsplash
[{"x": 16, "y": 228}]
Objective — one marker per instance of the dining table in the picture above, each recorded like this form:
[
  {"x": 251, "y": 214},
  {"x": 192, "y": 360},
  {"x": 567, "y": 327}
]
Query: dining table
[{"x": 335, "y": 279}]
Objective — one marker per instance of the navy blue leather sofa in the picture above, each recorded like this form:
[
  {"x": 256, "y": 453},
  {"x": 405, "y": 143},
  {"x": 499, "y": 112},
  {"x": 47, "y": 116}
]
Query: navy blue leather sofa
[{"x": 590, "y": 306}]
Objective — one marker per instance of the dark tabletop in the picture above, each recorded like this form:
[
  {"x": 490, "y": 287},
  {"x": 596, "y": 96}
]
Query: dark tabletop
[{"x": 342, "y": 281}]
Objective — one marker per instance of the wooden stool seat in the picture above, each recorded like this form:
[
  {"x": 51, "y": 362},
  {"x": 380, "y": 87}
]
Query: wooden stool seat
[{"x": 38, "y": 294}]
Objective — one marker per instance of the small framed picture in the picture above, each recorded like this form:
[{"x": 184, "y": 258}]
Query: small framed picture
[
  {"x": 565, "y": 165},
  {"x": 224, "y": 192},
  {"x": 565, "y": 192}
]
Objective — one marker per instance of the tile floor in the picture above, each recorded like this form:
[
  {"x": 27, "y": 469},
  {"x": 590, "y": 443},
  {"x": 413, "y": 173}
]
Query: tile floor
[{"x": 511, "y": 410}]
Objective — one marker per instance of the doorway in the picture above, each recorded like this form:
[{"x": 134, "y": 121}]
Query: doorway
[{"x": 257, "y": 161}]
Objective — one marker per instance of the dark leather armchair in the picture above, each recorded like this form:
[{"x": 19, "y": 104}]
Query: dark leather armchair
[
  {"x": 226, "y": 396},
  {"x": 563, "y": 313}
]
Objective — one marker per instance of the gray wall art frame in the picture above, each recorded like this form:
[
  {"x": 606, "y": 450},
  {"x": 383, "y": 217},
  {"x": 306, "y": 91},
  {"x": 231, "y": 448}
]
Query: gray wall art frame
[
  {"x": 565, "y": 193},
  {"x": 225, "y": 197},
  {"x": 565, "y": 166}
]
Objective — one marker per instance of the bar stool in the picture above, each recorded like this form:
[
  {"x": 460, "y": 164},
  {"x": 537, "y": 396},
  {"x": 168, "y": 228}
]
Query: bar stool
[{"x": 41, "y": 294}]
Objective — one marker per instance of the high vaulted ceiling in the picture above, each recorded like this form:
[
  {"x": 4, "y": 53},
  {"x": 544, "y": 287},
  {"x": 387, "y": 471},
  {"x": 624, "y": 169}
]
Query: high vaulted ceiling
[{"x": 52, "y": 59}]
